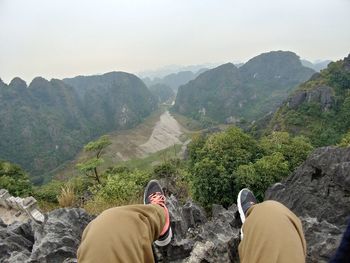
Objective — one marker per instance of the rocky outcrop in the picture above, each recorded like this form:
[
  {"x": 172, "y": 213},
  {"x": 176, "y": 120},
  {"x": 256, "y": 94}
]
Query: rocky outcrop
[
  {"x": 56, "y": 240},
  {"x": 322, "y": 95},
  {"x": 318, "y": 192},
  {"x": 198, "y": 239},
  {"x": 27, "y": 207}
]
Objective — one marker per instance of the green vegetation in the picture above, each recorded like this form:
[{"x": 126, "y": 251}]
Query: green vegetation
[
  {"x": 122, "y": 186},
  {"x": 163, "y": 93},
  {"x": 231, "y": 94},
  {"x": 223, "y": 163},
  {"x": 218, "y": 164},
  {"x": 345, "y": 141},
  {"x": 47, "y": 123},
  {"x": 89, "y": 167},
  {"x": 320, "y": 108},
  {"x": 14, "y": 179},
  {"x": 294, "y": 150},
  {"x": 263, "y": 173},
  {"x": 217, "y": 167}
]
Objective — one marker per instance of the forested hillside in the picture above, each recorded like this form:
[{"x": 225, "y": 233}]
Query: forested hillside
[
  {"x": 230, "y": 94},
  {"x": 46, "y": 123},
  {"x": 162, "y": 92},
  {"x": 320, "y": 107}
]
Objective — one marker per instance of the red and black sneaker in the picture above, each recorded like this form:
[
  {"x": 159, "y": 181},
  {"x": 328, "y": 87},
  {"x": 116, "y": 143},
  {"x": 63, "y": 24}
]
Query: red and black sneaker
[{"x": 154, "y": 195}]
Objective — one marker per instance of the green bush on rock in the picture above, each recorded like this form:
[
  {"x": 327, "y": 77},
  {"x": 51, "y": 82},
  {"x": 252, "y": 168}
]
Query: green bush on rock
[{"x": 14, "y": 179}]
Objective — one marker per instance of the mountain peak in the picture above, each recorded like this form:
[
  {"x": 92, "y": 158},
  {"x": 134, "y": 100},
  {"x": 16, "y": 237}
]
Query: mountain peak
[
  {"x": 228, "y": 93},
  {"x": 18, "y": 83},
  {"x": 39, "y": 82},
  {"x": 227, "y": 66},
  {"x": 274, "y": 64}
]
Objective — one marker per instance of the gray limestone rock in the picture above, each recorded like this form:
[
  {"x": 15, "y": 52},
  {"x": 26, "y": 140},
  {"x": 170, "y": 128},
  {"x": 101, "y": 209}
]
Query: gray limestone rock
[
  {"x": 56, "y": 240},
  {"x": 322, "y": 239},
  {"x": 14, "y": 247},
  {"x": 322, "y": 94},
  {"x": 59, "y": 237},
  {"x": 319, "y": 187},
  {"x": 196, "y": 238},
  {"x": 318, "y": 192}
]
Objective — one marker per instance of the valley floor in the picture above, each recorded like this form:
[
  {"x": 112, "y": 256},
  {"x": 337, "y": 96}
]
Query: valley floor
[{"x": 158, "y": 137}]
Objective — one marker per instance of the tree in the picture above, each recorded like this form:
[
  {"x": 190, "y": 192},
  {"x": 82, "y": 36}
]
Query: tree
[
  {"x": 14, "y": 179},
  {"x": 89, "y": 167},
  {"x": 211, "y": 184},
  {"x": 295, "y": 150},
  {"x": 212, "y": 164},
  {"x": 260, "y": 175}
]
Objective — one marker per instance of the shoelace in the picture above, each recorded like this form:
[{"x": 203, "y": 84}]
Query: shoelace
[{"x": 157, "y": 198}]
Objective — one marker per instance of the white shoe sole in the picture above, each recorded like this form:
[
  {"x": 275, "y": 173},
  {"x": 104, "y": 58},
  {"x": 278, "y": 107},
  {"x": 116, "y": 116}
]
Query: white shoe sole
[
  {"x": 163, "y": 243},
  {"x": 239, "y": 205}
]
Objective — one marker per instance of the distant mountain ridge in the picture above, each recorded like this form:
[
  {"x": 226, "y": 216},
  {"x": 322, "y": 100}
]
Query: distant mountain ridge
[
  {"x": 230, "y": 94},
  {"x": 163, "y": 93},
  {"x": 174, "y": 80},
  {"x": 46, "y": 123},
  {"x": 173, "y": 69},
  {"x": 317, "y": 66}
]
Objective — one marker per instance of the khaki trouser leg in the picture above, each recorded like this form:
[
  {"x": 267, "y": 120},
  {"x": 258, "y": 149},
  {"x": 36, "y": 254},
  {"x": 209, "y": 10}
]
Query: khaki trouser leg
[
  {"x": 122, "y": 235},
  {"x": 272, "y": 233}
]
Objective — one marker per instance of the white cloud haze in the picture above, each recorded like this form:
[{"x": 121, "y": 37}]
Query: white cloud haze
[{"x": 62, "y": 38}]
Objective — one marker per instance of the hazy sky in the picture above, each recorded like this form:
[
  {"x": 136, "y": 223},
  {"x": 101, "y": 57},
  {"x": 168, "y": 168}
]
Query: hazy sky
[{"x": 63, "y": 38}]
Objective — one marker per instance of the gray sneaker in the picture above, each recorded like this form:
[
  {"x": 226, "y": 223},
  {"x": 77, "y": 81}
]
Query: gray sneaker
[{"x": 245, "y": 200}]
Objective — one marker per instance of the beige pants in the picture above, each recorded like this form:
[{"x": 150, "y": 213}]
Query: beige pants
[
  {"x": 122, "y": 235},
  {"x": 272, "y": 233},
  {"x": 125, "y": 234}
]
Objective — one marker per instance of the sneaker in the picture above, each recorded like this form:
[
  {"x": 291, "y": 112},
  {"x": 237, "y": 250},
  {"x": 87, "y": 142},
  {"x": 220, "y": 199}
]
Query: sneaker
[
  {"x": 155, "y": 195},
  {"x": 245, "y": 200}
]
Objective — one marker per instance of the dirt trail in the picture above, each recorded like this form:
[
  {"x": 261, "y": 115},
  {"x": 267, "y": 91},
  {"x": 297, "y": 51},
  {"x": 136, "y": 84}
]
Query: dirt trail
[{"x": 166, "y": 133}]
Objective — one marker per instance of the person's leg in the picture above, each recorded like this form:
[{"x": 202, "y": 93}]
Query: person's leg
[
  {"x": 122, "y": 234},
  {"x": 272, "y": 233},
  {"x": 125, "y": 234}
]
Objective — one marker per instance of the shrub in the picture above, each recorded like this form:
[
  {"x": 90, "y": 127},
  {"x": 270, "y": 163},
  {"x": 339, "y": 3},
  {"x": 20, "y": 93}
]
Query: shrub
[
  {"x": 173, "y": 178},
  {"x": 263, "y": 173},
  {"x": 124, "y": 187},
  {"x": 295, "y": 150},
  {"x": 49, "y": 191},
  {"x": 67, "y": 197},
  {"x": 345, "y": 141},
  {"x": 14, "y": 179}
]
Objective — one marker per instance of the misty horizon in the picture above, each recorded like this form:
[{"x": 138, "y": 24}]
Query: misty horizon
[{"x": 65, "y": 39}]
